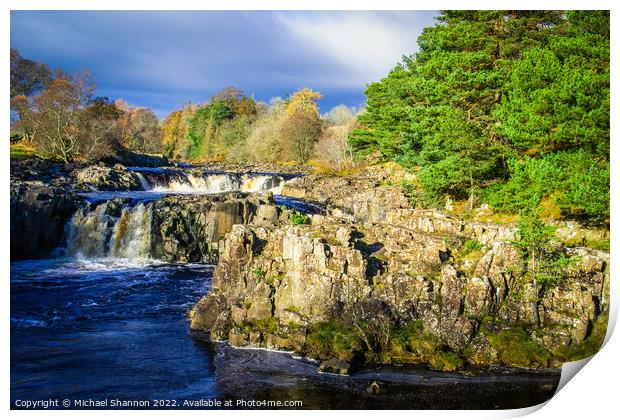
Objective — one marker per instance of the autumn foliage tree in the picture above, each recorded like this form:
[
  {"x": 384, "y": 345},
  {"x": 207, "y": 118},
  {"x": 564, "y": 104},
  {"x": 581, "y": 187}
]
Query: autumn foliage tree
[
  {"x": 303, "y": 127},
  {"x": 173, "y": 132},
  {"x": 58, "y": 115},
  {"x": 53, "y": 119},
  {"x": 139, "y": 128},
  {"x": 27, "y": 76}
]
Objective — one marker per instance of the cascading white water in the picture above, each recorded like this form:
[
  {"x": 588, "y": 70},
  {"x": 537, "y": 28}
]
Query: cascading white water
[
  {"x": 143, "y": 181},
  {"x": 95, "y": 234},
  {"x": 89, "y": 232},
  {"x": 262, "y": 183},
  {"x": 131, "y": 237},
  {"x": 194, "y": 183}
]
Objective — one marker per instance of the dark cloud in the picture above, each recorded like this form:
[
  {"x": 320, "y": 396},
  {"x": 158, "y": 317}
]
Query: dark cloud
[{"x": 163, "y": 59}]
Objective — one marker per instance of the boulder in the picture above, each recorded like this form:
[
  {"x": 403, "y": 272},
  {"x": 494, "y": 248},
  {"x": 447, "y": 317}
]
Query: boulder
[{"x": 105, "y": 178}]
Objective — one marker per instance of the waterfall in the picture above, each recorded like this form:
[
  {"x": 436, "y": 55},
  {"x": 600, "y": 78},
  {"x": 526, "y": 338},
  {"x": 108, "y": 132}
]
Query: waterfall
[
  {"x": 131, "y": 237},
  {"x": 143, "y": 182},
  {"x": 262, "y": 183},
  {"x": 222, "y": 182},
  {"x": 89, "y": 232},
  {"x": 99, "y": 234},
  {"x": 194, "y": 182}
]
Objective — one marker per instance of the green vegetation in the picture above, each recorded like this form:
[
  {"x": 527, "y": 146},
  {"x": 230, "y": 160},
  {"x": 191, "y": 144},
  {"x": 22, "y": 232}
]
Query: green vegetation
[
  {"x": 578, "y": 184},
  {"x": 447, "y": 361},
  {"x": 602, "y": 245},
  {"x": 267, "y": 325},
  {"x": 411, "y": 337},
  {"x": 234, "y": 127},
  {"x": 22, "y": 150},
  {"x": 300, "y": 218},
  {"x": 209, "y": 130},
  {"x": 390, "y": 343},
  {"x": 258, "y": 273},
  {"x": 380, "y": 341},
  {"x": 541, "y": 251},
  {"x": 507, "y": 106},
  {"x": 332, "y": 339},
  {"x": 515, "y": 347},
  {"x": 472, "y": 245}
]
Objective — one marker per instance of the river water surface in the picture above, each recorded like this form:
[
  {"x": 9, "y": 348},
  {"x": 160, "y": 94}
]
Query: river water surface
[{"x": 116, "y": 329}]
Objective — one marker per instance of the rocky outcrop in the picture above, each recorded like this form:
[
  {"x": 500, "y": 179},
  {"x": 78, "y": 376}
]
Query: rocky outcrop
[
  {"x": 273, "y": 288},
  {"x": 257, "y": 167},
  {"x": 38, "y": 216},
  {"x": 192, "y": 228},
  {"x": 105, "y": 178}
]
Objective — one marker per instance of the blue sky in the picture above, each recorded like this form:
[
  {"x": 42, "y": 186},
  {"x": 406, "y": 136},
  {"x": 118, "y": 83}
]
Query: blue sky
[{"x": 162, "y": 59}]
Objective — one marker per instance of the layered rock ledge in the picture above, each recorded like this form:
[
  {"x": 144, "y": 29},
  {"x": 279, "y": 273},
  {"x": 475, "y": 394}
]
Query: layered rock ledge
[
  {"x": 377, "y": 281},
  {"x": 277, "y": 287}
]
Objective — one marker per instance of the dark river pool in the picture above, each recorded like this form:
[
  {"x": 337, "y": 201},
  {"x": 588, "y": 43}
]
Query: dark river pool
[{"x": 112, "y": 329}]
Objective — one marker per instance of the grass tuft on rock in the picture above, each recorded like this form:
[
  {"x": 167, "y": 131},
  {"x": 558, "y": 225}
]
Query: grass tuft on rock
[
  {"x": 332, "y": 339},
  {"x": 446, "y": 361},
  {"x": 516, "y": 348}
]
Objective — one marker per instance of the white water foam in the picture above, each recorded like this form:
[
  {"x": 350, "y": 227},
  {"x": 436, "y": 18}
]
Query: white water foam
[
  {"x": 95, "y": 234},
  {"x": 193, "y": 183}
]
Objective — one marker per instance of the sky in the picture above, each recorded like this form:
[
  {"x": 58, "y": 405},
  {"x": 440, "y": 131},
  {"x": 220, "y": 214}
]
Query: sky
[{"x": 164, "y": 59}]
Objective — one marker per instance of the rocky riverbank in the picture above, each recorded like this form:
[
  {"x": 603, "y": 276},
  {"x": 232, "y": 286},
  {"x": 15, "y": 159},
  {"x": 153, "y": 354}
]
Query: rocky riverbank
[
  {"x": 48, "y": 207},
  {"x": 370, "y": 279},
  {"x": 379, "y": 281}
]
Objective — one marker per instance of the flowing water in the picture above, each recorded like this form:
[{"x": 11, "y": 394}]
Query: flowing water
[
  {"x": 116, "y": 329},
  {"x": 105, "y": 321},
  {"x": 172, "y": 180}
]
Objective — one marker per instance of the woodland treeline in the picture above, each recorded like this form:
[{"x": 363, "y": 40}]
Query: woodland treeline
[
  {"x": 58, "y": 115},
  {"x": 506, "y": 107},
  {"x": 509, "y": 108}
]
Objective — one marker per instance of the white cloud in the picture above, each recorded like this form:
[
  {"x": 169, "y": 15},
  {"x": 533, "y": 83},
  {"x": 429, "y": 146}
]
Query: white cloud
[{"x": 366, "y": 45}]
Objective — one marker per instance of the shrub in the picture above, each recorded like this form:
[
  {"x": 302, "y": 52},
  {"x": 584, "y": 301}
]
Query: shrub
[
  {"x": 332, "y": 339},
  {"x": 472, "y": 245},
  {"x": 515, "y": 347},
  {"x": 264, "y": 325},
  {"x": 300, "y": 219}
]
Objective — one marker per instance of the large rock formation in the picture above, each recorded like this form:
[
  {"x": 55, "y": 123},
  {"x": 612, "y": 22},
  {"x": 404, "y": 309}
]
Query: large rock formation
[
  {"x": 192, "y": 228},
  {"x": 180, "y": 228},
  {"x": 38, "y": 216},
  {"x": 282, "y": 287}
]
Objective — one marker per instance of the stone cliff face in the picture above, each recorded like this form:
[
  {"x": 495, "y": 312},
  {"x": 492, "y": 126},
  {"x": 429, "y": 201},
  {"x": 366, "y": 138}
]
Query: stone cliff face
[
  {"x": 192, "y": 229},
  {"x": 38, "y": 216},
  {"x": 273, "y": 285},
  {"x": 458, "y": 285}
]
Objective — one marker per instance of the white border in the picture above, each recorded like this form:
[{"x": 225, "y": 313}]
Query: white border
[{"x": 593, "y": 394}]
